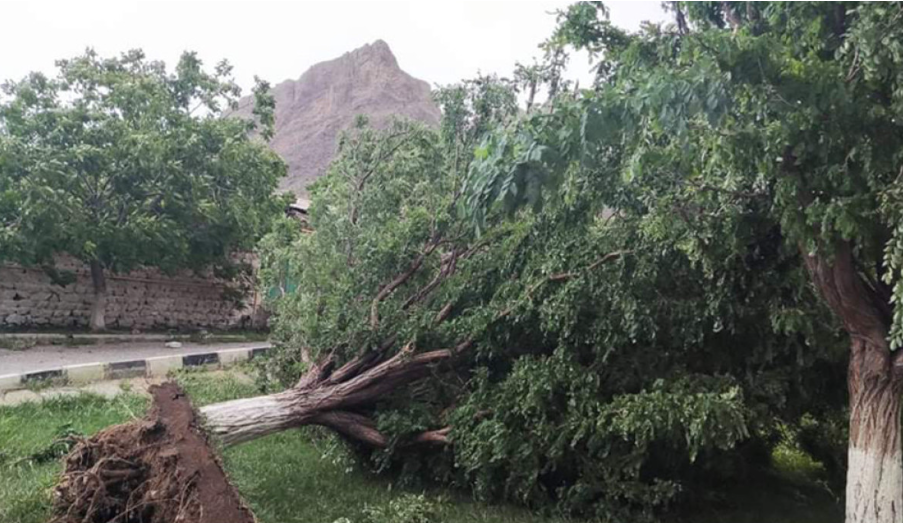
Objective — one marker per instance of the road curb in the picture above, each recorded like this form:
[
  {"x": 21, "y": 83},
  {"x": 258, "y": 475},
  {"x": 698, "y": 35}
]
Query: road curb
[{"x": 158, "y": 366}]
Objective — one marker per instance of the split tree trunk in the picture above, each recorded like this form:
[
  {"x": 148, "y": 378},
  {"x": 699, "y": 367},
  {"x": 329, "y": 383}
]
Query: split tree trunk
[
  {"x": 99, "y": 305},
  {"x": 874, "y": 491}
]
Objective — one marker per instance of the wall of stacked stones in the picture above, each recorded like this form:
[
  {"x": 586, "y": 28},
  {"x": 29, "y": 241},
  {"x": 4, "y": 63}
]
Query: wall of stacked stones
[{"x": 144, "y": 299}]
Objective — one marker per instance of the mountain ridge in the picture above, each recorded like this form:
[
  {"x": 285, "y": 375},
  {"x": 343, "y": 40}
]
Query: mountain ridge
[{"x": 313, "y": 109}]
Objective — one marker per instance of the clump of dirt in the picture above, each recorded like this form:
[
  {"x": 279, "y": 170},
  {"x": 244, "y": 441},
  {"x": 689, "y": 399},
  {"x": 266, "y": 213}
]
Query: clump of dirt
[{"x": 160, "y": 469}]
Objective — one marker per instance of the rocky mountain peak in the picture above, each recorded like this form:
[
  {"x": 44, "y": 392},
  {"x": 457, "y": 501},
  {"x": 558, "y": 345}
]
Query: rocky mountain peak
[
  {"x": 378, "y": 53},
  {"x": 312, "y": 110}
]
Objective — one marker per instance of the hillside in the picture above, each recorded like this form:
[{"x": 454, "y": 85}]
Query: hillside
[{"x": 312, "y": 110}]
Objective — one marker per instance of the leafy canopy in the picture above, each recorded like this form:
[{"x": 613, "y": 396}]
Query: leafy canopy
[
  {"x": 607, "y": 371},
  {"x": 784, "y": 114},
  {"x": 119, "y": 160}
]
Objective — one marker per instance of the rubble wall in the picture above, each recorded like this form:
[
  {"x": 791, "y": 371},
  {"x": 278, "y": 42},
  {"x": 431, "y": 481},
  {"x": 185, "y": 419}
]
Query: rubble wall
[{"x": 144, "y": 299}]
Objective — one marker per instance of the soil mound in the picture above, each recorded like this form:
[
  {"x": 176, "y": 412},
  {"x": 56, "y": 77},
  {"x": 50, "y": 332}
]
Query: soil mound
[{"x": 160, "y": 469}]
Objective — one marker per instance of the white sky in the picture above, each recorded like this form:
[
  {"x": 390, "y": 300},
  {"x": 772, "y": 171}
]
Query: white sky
[{"x": 437, "y": 41}]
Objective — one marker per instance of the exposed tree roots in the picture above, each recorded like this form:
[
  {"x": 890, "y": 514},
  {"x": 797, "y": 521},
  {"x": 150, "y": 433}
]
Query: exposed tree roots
[
  {"x": 159, "y": 469},
  {"x": 162, "y": 469}
]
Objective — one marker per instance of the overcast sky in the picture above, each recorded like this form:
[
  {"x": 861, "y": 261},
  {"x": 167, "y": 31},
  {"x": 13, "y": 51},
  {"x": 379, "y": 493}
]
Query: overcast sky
[{"x": 437, "y": 41}]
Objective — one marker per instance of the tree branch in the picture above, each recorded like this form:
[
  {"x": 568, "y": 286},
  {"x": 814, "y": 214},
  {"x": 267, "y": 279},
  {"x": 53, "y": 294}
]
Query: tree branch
[
  {"x": 353, "y": 426},
  {"x": 447, "y": 269},
  {"x": 562, "y": 276},
  {"x": 361, "y": 428},
  {"x": 443, "y": 314},
  {"x": 399, "y": 281}
]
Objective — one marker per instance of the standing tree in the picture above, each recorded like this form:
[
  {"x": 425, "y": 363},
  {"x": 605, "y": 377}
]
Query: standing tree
[
  {"x": 785, "y": 113},
  {"x": 119, "y": 162}
]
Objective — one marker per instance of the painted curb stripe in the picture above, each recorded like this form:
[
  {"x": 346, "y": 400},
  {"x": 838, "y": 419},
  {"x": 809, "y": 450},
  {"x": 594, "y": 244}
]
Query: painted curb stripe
[
  {"x": 196, "y": 360},
  {"x": 162, "y": 365},
  {"x": 10, "y": 382},
  {"x": 233, "y": 356},
  {"x": 128, "y": 369},
  {"x": 44, "y": 375},
  {"x": 86, "y": 373}
]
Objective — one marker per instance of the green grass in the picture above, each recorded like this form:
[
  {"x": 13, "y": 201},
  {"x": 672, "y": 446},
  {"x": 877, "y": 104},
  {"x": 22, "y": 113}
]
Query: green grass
[
  {"x": 304, "y": 476},
  {"x": 27, "y": 429},
  {"x": 300, "y": 476}
]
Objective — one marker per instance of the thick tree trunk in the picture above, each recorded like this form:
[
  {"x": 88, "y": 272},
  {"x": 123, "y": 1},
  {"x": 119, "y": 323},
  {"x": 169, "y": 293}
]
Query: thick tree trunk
[
  {"x": 99, "y": 305},
  {"x": 874, "y": 492},
  {"x": 326, "y": 397},
  {"x": 251, "y": 418}
]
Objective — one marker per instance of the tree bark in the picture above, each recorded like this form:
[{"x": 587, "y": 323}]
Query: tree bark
[
  {"x": 326, "y": 397},
  {"x": 99, "y": 305},
  {"x": 874, "y": 491}
]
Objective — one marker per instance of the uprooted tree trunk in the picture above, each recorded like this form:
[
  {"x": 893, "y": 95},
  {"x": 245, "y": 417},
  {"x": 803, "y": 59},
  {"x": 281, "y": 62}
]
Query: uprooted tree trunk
[
  {"x": 328, "y": 397},
  {"x": 874, "y": 492},
  {"x": 114, "y": 468},
  {"x": 161, "y": 469}
]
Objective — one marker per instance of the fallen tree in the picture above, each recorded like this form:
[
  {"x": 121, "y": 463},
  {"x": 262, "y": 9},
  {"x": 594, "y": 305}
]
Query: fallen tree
[
  {"x": 328, "y": 397},
  {"x": 566, "y": 357}
]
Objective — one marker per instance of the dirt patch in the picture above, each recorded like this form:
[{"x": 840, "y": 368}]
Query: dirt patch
[{"x": 159, "y": 469}]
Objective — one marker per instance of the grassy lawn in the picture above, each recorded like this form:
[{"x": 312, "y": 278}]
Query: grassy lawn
[
  {"x": 293, "y": 477},
  {"x": 30, "y": 428}
]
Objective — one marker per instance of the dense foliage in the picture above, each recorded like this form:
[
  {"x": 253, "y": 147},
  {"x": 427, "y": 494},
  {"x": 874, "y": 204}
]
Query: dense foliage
[
  {"x": 701, "y": 125},
  {"x": 119, "y": 162},
  {"x": 601, "y": 370},
  {"x": 746, "y": 129}
]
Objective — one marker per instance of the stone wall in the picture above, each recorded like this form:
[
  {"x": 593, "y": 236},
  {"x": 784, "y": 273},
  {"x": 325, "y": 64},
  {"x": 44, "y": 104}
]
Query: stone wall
[{"x": 143, "y": 299}]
